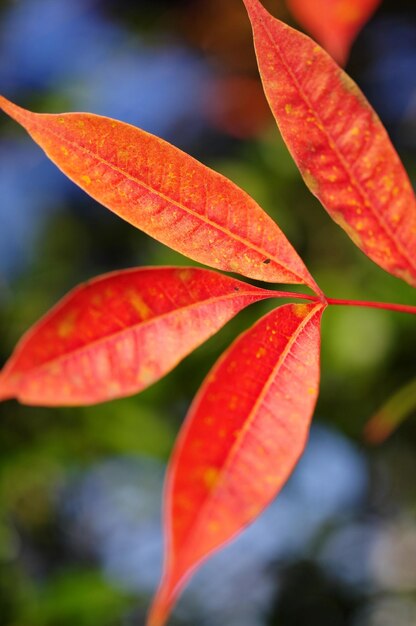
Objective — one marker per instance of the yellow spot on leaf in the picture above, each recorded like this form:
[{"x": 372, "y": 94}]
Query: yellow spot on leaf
[
  {"x": 86, "y": 179},
  {"x": 185, "y": 274},
  {"x": 260, "y": 352},
  {"x": 139, "y": 305},
  {"x": 66, "y": 325},
  {"x": 388, "y": 182},
  {"x": 213, "y": 527},
  {"x": 113, "y": 387},
  {"x": 288, "y": 108},
  {"x": 210, "y": 477},
  {"x": 146, "y": 375},
  {"x": 270, "y": 479},
  {"x": 300, "y": 310}
]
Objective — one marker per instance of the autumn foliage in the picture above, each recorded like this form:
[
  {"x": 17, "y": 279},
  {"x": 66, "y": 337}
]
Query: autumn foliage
[
  {"x": 342, "y": 21},
  {"x": 121, "y": 332}
]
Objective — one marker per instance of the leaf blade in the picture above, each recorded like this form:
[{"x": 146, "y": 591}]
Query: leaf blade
[
  {"x": 342, "y": 22},
  {"x": 338, "y": 143},
  {"x": 121, "y": 332},
  {"x": 267, "y": 382},
  {"x": 166, "y": 193}
]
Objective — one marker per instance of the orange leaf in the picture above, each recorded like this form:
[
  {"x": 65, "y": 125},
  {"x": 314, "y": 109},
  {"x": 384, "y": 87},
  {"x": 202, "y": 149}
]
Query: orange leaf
[
  {"x": 334, "y": 23},
  {"x": 242, "y": 437},
  {"x": 339, "y": 144},
  {"x": 121, "y": 332},
  {"x": 166, "y": 193}
]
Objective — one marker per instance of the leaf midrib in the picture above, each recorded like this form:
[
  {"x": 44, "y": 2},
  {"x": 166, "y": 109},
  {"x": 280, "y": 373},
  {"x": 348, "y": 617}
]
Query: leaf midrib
[
  {"x": 347, "y": 167},
  {"x": 203, "y": 218},
  {"x": 237, "y": 445},
  {"x": 111, "y": 336}
]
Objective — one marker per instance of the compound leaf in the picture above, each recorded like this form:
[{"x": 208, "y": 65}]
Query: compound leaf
[
  {"x": 241, "y": 439},
  {"x": 339, "y": 144},
  {"x": 121, "y": 332}
]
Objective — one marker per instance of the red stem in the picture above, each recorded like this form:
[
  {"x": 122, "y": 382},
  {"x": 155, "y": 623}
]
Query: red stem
[
  {"x": 402, "y": 308},
  {"x": 294, "y": 295},
  {"x": 388, "y": 306}
]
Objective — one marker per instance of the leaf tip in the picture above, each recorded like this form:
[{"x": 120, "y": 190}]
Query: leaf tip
[
  {"x": 11, "y": 109},
  {"x": 5, "y": 104},
  {"x": 6, "y": 392},
  {"x": 161, "y": 607},
  {"x": 253, "y": 6},
  {"x": 377, "y": 429}
]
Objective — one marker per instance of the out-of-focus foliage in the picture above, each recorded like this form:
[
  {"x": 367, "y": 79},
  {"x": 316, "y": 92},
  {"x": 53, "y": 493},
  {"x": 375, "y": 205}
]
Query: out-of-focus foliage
[
  {"x": 400, "y": 406},
  {"x": 80, "y": 488}
]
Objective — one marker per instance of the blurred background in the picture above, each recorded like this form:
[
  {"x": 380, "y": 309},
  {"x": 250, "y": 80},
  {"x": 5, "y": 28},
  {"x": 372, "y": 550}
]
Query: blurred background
[{"x": 80, "y": 489}]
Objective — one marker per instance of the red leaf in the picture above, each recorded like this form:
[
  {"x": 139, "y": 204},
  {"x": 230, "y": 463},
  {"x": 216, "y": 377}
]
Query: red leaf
[
  {"x": 334, "y": 23},
  {"x": 166, "y": 193},
  {"x": 121, "y": 332},
  {"x": 242, "y": 437},
  {"x": 339, "y": 144}
]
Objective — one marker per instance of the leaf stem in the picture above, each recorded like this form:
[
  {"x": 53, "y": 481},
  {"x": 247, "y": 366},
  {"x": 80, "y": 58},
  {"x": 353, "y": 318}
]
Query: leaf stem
[
  {"x": 401, "y": 308},
  {"x": 295, "y": 296},
  {"x": 388, "y": 306}
]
